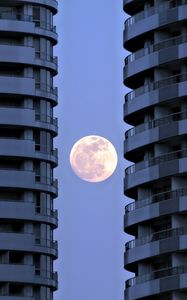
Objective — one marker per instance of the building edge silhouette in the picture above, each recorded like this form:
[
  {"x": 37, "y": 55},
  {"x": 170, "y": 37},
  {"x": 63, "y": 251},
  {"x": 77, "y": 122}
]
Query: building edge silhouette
[
  {"x": 156, "y": 71},
  {"x": 27, "y": 155}
]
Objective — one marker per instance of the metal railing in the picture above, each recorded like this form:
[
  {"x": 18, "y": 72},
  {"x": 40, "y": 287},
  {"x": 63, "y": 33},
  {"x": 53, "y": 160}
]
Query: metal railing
[
  {"x": 46, "y": 274},
  {"x": 156, "y": 47},
  {"x": 156, "y": 85},
  {"x": 44, "y": 25},
  {"x": 46, "y": 57},
  {"x": 43, "y": 149},
  {"x": 156, "y": 161},
  {"x": 153, "y": 10},
  {"x": 160, "y": 235},
  {"x": 46, "y": 180},
  {"x": 156, "y": 275},
  {"x": 46, "y": 243},
  {"x": 46, "y": 119},
  {"x": 27, "y": 18},
  {"x": 170, "y": 195},
  {"x": 46, "y": 88},
  {"x": 46, "y": 212},
  {"x": 156, "y": 123}
]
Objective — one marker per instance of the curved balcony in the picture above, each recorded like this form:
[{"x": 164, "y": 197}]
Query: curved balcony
[
  {"x": 46, "y": 91},
  {"x": 42, "y": 153},
  {"x": 21, "y": 210},
  {"x": 164, "y": 234},
  {"x": 160, "y": 197},
  {"x": 156, "y": 160},
  {"x": 164, "y": 242},
  {"x": 50, "y": 4},
  {"x": 156, "y": 16},
  {"x": 168, "y": 119},
  {"x": 23, "y": 23},
  {"x": 17, "y": 85},
  {"x": 46, "y": 246},
  {"x": 156, "y": 168},
  {"x": 162, "y": 129},
  {"x": 27, "y": 274},
  {"x": 174, "y": 41},
  {"x": 27, "y": 179},
  {"x": 27, "y": 242},
  {"x": 157, "y": 282},
  {"x": 48, "y": 61},
  {"x": 149, "y": 209},
  {"x": 44, "y": 277},
  {"x": 156, "y": 85},
  {"x": 46, "y": 122},
  {"x": 27, "y": 117},
  {"x": 136, "y": 70},
  {"x": 46, "y": 183},
  {"x": 27, "y": 55},
  {"x": 26, "y": 148}
]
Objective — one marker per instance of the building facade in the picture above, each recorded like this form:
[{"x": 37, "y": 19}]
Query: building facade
[
  {"x": 156, "y": 72},
  {"x": 27, "y": 155}
]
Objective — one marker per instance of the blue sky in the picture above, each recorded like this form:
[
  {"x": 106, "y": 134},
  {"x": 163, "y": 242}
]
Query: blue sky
[{"x": 90, "y": 234}]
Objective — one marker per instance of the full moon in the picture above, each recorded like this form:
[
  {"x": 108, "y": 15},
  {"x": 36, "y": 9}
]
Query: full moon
[{"x": 93, "y": 158}]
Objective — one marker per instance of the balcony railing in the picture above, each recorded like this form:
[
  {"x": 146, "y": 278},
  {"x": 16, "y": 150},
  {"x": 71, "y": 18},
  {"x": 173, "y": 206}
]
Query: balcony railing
[
  {"x": 156, "y": 47},
  {"x": 46, "y": 88},
  {"x": 153, "y": 10},
  {"x": 156, "y": 123},
  {"x": 44, "y": 56},
  {"x": 170, "y": 195},
  {"x": 46, "y": 119},
  {"x": 160, "y": 235},
  {"x": 156, "y": 85},
  {"x": 156, "y": 275},
  {"x": 46, "y": 180},
  {"x": 46, "y": 212},
  {"x": 44, "y": 25},
  {"x": 46, "y": 274},
  {"x": 156, "y": 161},
  {"x": 46, "y": 243}
]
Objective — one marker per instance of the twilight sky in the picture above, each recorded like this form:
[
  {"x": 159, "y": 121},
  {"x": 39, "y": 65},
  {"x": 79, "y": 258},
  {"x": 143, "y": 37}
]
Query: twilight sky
[{"x": 90, "y": 234}]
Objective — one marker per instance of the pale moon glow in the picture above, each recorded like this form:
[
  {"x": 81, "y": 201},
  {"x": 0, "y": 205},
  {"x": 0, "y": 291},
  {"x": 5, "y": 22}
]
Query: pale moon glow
[{"x": 93, "y": 158}]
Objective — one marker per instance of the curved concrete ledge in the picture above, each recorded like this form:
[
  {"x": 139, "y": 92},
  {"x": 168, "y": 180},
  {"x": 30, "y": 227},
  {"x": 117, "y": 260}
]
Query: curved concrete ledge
[
  {"x": 26, "y": 86},
  {"x": 152, "y": 173},
  {"x": 27, "y": 118},
  {"x": 25, "y": 211},
  {"x": 154, "y": 97},
  {"x": 21, "y": 179},
  {"x": 26, "y": 242},
  {"x": 154, "y": 248},
  {"x": 147, "y": 137},
  {"x": 152, "y": 60},
  {"x": 51, "y": 4},
  {"x": 25, "y": 55},
  {"x": 164, "y": 17},
  {"x": 24, "y": 274},
  {"x": 25, "y": 148},
  {"x": 154, "y": 210},
  {"x": 157, "y": 287},
  {"x": 27, "y": 27}
]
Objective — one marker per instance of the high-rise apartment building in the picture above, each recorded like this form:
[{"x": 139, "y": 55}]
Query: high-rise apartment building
[
  {"x": 156, "y": 71},
  {"x": 27, "y": 155}
]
